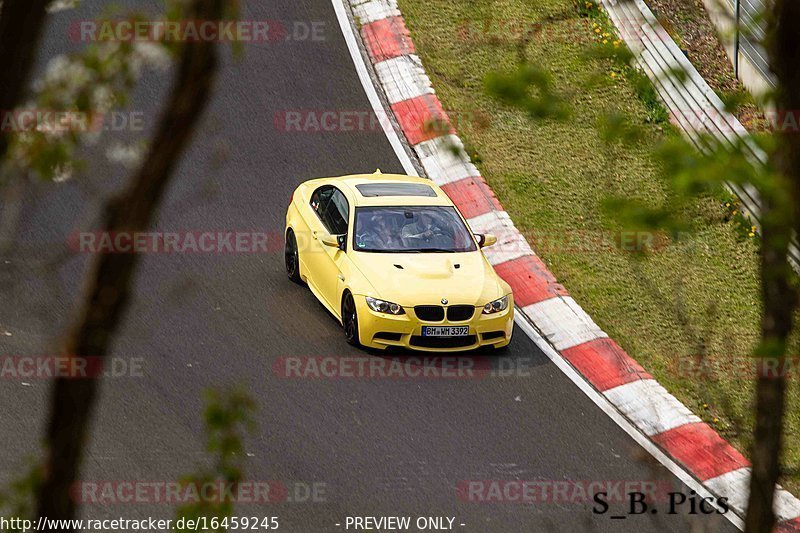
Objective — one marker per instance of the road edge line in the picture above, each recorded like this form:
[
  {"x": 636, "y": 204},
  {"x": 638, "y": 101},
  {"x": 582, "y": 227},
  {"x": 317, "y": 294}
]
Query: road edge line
[
  {"x": 369, "y": 88},
  {"x": 677, "y": 438},
  {"x": 613, "y": 413}
]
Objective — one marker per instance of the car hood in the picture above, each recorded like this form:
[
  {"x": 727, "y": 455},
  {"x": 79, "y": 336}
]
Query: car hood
[{"x": 425, "y": 278}]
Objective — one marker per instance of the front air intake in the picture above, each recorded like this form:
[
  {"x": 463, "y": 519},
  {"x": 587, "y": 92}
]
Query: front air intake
[
  {"x": 429, "y": 313},
  {"x": 460, "y": 313}
]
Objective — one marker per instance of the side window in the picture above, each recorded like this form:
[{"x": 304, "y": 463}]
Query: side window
[
  {"x": 332, "y": 208},
  {"x": 320, "y": 198},
  {"x": 337, "y": 213}
]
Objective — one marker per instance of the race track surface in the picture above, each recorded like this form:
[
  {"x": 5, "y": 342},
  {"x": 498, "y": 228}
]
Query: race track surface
[{"x": 377, "y": 447}]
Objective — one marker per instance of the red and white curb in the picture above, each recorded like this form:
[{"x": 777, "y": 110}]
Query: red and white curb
[{"x": 664, "y": 421}]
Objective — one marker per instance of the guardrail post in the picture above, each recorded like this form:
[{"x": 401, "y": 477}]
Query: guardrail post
[{"x": 736, "y": 40}]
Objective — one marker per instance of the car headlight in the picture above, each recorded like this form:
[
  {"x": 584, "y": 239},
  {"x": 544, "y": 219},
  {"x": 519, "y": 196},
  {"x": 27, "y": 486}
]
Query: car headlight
[
  {"x": 501, "y": 304},
  {"x": 382, "y": 306}
]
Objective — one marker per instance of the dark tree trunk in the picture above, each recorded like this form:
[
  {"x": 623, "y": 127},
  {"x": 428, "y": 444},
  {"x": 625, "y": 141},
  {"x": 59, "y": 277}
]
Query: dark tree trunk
[
  {"x": 780, "y": 215},
  {"x": 21, "y": 23},
  {"x": 109, "y": 287}
]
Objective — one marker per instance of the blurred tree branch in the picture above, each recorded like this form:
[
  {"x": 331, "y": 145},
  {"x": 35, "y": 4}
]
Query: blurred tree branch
[
  {"x": 228, "y": 415},
  {"x": 692, "y": 173},
  {"x": 110, "y": 281},
  {"x": 779, "y": 218},
  {"x": 21, "y": 24}
]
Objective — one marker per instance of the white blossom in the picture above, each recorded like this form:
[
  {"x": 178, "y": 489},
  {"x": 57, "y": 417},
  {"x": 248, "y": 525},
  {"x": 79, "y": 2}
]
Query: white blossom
[
  {"x": 63, "y": 172},
  {"x": 128, "y": 155},
  {"x": 154, "y": 55}
]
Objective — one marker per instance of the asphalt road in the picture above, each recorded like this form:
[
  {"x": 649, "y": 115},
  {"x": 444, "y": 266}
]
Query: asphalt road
[{"x": 378, "y": 447}]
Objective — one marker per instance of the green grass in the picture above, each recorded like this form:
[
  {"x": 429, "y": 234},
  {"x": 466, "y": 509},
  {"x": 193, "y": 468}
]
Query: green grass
[{"x": 696, "y": 296}]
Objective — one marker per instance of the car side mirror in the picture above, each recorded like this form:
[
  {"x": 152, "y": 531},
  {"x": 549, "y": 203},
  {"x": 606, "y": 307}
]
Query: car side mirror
[
  {"x": 486, "y": 239},
  {"x": 329, "y": 240}
]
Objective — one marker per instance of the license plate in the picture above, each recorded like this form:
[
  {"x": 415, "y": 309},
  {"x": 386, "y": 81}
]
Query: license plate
[{"x": 445, "y": 331}]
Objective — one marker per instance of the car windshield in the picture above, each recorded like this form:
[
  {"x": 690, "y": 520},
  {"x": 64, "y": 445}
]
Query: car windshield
[{"x": 411, "y": 229}]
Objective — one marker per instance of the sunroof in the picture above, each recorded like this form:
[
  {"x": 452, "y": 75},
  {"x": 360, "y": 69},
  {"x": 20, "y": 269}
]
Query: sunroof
[{"x": 395, "y": 189}]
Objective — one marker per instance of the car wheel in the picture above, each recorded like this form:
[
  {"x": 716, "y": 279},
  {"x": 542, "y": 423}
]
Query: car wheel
[
  {"x": 350, "y": 320},
  {"x": 292, "y": 258}
]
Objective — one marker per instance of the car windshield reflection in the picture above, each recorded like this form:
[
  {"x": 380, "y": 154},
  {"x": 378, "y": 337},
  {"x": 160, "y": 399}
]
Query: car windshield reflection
[{"x": 417, "y": 229}]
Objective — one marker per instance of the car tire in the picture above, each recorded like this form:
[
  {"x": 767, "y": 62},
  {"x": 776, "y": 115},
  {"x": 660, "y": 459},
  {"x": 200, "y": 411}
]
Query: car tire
[
  {"x": 292, "y": 258},
  {"x": 350, "y": 321}
]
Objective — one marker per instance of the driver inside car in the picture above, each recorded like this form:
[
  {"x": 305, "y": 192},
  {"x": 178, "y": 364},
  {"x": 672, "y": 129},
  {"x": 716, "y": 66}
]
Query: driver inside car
[
  {"x": 381, "y": 235},
  {"x": 424, "y": 228}
]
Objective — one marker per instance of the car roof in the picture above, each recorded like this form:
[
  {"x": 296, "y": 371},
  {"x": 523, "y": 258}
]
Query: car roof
[{"x": 352, "y": 182}]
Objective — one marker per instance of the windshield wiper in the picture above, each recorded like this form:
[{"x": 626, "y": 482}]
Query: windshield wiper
[{"x": 433, "y": 250}]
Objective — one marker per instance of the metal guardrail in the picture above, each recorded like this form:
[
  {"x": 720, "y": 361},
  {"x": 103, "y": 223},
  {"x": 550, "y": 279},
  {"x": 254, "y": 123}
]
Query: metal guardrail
[
  {"x": 693, "y": 104},
  {"x": 749, "y": 16}
]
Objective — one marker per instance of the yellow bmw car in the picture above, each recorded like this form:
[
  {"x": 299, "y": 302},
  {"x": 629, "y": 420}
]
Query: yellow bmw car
[{"x": 395, "y": 262}]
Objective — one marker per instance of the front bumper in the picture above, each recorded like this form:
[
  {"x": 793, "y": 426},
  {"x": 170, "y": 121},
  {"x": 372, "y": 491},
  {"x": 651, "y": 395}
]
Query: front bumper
[{"x": 382, "y": 330}]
